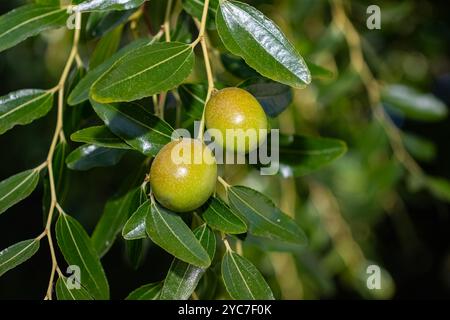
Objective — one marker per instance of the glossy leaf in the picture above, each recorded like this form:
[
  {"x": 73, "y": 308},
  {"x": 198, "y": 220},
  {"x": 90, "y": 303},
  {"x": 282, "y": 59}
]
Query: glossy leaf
[
  {"x": 193, "y": 98},
  {"x": 100, "y": 136},
  {"x": 16, "y": 188},
  {"x": 219, "y": 216},
  {"x": 115, "y": 214},
  {"x": 23, "y": 107},
  {"x": 264, "y": 218},
  {"x": 17, "y": 254},
  {"x": 135, "y": 226},
  {"x": 27, "y": 21},
  {"x": 195, "y": 9},
  {"x": 242, "y": 280},
  {"x": 100, "y": 5},
  {"x": 77, "y": 248},
  {"x": 414, "y": 105},
  {"x": 145, "y": 72},
  {"x": 149, "y": 291},
  {"x": 170, "y": 232},
  {"x": 66, "y": 292},
  {"x": 136, "y": 252},
  {"x": 138, "y": 127},
  {"x": 247, "y": 33},
  {"x": 81, "y": 92},
  {"x": 183, "y": 278},
  {"x": 300, "y": 155},
  {"x": 274, "y": 97},
  {"x": 90, "y": 156},
  {"x": 106, "y": 47}
]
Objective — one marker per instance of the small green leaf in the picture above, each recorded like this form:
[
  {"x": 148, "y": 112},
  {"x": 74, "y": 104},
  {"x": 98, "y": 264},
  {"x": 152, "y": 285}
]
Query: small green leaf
[
  {"x": 264, "y": 218},
  {"x": 170, "y": 232},
  {"x": 101, "y": 22},
  {"x": 105, "y": 5},
  {"x": 136, "y": 251},
  {"x": 274, "y": 97},
  {"x": 77, "y": 248},
  {"x": 17, "y": 254},
  {"x": 27, "y": 21},
  {"x": 183, "y": 278},
  {"x": 138, "y": 127},
  {"x": 195, "y": 9},
  {"x": 145, "y": 72},
  {"x": 115, "y": 214},
  {"x": 106, "y": 47},
  {"x": 135, "y": 226},
  {"x": 23, "y": 107},
  {"x": 242, "y": 280},
  {"x": 247, "y": 33},
  {"x": 90, "y": 156},
  {"x": 319, "y": 72},
  {"x": 193, "y": 98},
  {"x": 419, "y": 147},
  {"x": 100, "y": 136},
  {"x": 81, "y": 92},
  {"x": 220, "y": 217},
  {"x": 16, "y": 188},
  {"x": 300, "y": 155},
  {"x": 439, "y": 187},
  {"x": 63, "y": 292},
  {"x": 414, "y": 105},
  {"x": 149, "y": 291}
]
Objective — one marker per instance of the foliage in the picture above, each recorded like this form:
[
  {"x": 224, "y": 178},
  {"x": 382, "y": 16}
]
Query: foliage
[{"x": 139, "y": 86}]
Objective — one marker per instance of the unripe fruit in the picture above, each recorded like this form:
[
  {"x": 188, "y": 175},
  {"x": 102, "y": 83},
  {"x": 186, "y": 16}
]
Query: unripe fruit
[
  {"x": 183, "y": 175},
  {"x": 234, "y": 108}
]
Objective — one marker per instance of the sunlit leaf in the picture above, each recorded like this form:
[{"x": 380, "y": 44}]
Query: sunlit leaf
[
  {"x": 247, "y": 33},
  {"x": 221, "y": 217},
  {"x": 17, "y": 254},
  {"x": 100, "y": 5},
  {"x": 100, "y": 136},
  {"x": 90, "y": 156}
]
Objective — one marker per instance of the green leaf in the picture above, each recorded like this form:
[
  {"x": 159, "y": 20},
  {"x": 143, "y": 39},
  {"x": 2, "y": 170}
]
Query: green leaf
[
  {"x": 106, "y": 47},
  {"x": 145, "y": 72},
  {"x": 138, "y": 127},
  {"x": 412, "y": 104},
  {"x": 149, "y": 291},
  {"x": 63, "y": 292},
  {"x": 439, "y": 187},
  {"x": 81, "y": 92},
  {"x": 77, "y": 248},
  {"x": 264, "y": 218},
  {"x": 242, "y": 280},
  {"x": 23, "y": 107},
  {"x": 136, "y": 251},
  {"x": 101, "y": 22},
  {"x": 195, "y": 9},
  {"x": 274, "y": 97},
  {"x": 135, "y": 226},
  {"x": 300, "y": 155},
  {"x": 220, "y": 217},
  {"x": 193, "y": 98},
  {"x": 182, "y": 32},
  {"x": 105, "y": 5},
  {"x": 237, "y": 66},
  {"x": 17, "y": 254},
  {"x": 168, "y": 230},
  {"x": 183, "y": 278},
  {"x": 115, "y": 214},
  {"x": 100, "y": 136},
  {"x": 90, "y": 156},
  {"x": 16, "y": 188},
  {"x": 247, "y": 33},
  {"x": 319, "y": 72},
  {"x": 419, "y": 147},
  {"x": 27, "y": 21}
]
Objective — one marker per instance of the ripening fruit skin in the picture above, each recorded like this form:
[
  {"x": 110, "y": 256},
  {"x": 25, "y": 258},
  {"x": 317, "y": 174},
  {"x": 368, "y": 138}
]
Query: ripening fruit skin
[
  {"x": 183, "y": 187},
  {"x": 235, "y": 108}
]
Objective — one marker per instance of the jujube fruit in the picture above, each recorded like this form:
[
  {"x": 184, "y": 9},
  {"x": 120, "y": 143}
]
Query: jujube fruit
[
  {"x": 183, "y": 175},
  {"x": 235, "y": 108}
]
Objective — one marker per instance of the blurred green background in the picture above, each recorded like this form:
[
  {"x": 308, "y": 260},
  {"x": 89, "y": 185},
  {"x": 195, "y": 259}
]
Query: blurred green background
[{"x": 370, "y": 202}]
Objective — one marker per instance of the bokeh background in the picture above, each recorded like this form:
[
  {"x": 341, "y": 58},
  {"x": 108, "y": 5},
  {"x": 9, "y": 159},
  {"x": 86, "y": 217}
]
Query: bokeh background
[{"x": 371, "y": 199}]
